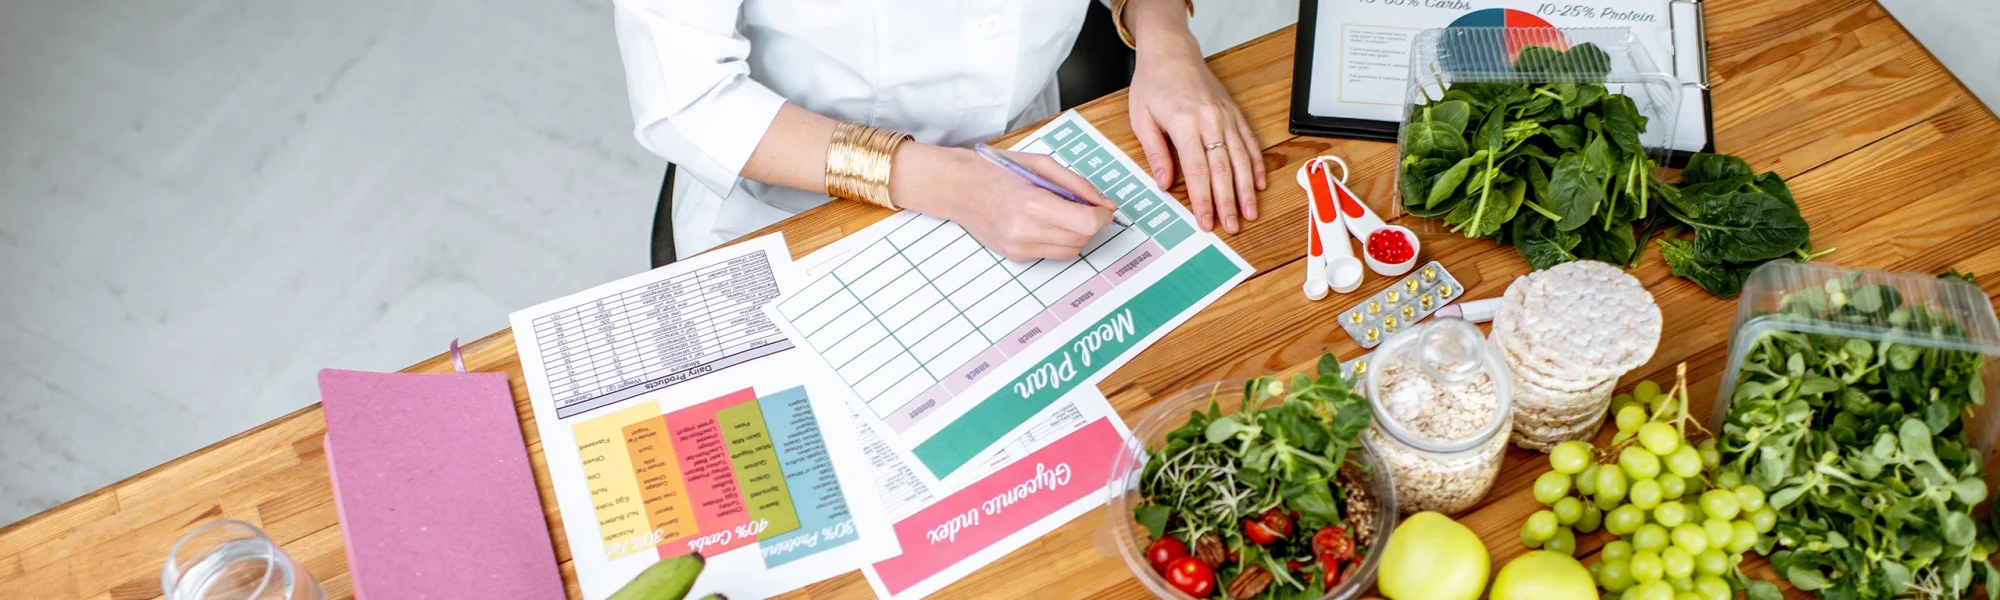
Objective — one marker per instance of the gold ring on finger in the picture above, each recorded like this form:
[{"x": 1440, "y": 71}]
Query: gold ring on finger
[{"x": 1212, "y": 146}]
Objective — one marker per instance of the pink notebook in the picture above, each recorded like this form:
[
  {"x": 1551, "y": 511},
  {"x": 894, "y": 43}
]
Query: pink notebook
[{"x": 433, "y": 487}]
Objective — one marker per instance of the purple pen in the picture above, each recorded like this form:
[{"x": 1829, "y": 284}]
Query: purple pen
[{"x": 996, "y": 157}]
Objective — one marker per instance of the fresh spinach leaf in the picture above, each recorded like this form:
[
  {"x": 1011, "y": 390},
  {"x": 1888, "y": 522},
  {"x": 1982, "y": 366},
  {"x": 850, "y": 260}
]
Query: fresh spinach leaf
[
  {"x": 1724, "y": 281},
  {"x": 1705, "y": 167},
  {"x": 1612, "y": 243},
  {"x": 1453, "y": 114},
  {"x": 1489, "y": 137},
  {"x": 1573, "y": 193},
  {"x": 1597, "y": 156},
  {"x": 1449, "y": 181},
  {"x": 1433, "y": 140},
  {"x": 1418, "y": 178},
  {"x": 1541, "y": 243},
  {"x": 1567, "y": 137},
  {"x": 1741, "y": 227},
  {"x": 1622, "y": 124}
]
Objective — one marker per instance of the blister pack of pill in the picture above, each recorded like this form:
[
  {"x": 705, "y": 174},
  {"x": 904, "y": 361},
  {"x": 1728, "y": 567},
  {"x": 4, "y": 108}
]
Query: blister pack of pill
[{"x": 1417, "y": 295}]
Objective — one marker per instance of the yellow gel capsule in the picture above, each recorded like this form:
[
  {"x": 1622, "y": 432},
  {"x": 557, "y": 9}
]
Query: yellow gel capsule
[
  {"x": 1410, "y": 284},
  {"x": 1355, "y": 317},
  {"x": 1444, "y": 291},
  {"x": 1430, "y": 273},
  {"x": 1425, "y": 301},
  {"x": 1360, "y": 366},
  {"x": 1393, "y": 296},
  {"x": 1372, "y": 335},
  {"x": 1374, "y": 307},
  {"x": 1409, "y": 312}
]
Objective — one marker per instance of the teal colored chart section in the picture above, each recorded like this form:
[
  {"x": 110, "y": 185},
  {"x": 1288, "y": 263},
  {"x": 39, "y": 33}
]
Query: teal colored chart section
[
  {"x": 1077, "y": 360},
  {"x": 824, "y": 522}
]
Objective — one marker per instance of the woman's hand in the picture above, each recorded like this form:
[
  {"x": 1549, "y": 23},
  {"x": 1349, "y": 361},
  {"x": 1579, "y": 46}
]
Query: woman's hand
[
  {"x": 1179, "y": 108},
  {"x": 1006, "y": 213}
]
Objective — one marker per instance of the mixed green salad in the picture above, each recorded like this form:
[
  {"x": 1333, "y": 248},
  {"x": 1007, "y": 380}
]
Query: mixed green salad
[{"x": 1262, "y": 502}]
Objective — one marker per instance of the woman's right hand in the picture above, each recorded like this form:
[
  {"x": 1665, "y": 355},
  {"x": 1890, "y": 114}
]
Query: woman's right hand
[{"x": 1006, "y": 213}]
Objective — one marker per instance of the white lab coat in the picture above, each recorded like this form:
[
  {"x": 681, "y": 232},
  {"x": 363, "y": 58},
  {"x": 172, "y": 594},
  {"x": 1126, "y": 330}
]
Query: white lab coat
[{"x": 706, "y": 78}]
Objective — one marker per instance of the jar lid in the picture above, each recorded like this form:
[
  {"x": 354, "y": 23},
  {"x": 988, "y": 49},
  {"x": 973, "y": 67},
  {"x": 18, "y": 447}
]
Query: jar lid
[{"x": 1433, "y": 383}]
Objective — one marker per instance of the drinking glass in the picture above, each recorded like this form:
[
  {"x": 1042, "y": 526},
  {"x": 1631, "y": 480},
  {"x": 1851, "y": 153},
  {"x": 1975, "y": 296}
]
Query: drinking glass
[{"x": 233, "y": 560}]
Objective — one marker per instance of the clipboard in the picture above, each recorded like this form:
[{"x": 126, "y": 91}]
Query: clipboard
[{"x": 1686, "y": 25}]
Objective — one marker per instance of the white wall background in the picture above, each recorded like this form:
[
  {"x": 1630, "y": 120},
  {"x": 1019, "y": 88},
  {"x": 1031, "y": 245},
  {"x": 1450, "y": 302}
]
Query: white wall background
[{"x": 203, "y": 202}]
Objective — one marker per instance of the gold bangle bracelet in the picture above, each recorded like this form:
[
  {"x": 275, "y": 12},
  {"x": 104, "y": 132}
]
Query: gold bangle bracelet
[
  {"x": 1118, "y": 19},
  {"x": 858, "y": 159}
]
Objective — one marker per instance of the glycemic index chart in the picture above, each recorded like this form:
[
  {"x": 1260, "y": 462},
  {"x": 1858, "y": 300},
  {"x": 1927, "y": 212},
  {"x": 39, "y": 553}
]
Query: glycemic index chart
[{"x": 919, "y": 316}]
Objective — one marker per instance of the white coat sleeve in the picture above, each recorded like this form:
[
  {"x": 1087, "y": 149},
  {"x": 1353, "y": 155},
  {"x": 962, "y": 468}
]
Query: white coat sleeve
[{"x": 688, "y": 77}]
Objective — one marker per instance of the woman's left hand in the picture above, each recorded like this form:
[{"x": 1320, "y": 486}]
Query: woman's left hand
[{"x": 1179, "y": 108}]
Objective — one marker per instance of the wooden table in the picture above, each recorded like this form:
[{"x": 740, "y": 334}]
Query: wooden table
[{"x": 1895, "y": 164}]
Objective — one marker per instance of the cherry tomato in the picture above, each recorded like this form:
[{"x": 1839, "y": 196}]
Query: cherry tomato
[
  {"x": 1191, "y": 576},
  {"x": 1163, "y": 551},
  {"x": 1259, "y": 533},
  {"x": 1296, "y": 564},
  {"x": 1278, "y": 521},
  {"x": 1331, "y": 540}
]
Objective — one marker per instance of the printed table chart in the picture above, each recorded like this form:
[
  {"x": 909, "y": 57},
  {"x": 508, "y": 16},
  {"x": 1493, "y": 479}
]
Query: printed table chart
[
  {"x": 920, "y": 315},
  {"x": 647, "y": 338},
  {"x": 714, "y": 477}
]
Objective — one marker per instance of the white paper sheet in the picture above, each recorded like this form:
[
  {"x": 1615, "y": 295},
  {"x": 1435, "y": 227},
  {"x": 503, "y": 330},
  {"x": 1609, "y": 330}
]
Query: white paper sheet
[{"x": 672, "y": 422}]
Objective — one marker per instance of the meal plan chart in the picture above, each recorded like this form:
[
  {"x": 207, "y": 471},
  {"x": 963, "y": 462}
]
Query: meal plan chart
[
  {"x": 673, "y": 421},
  {"x": 1049, "y": 471},
  {"x": 949, "y": 348}
]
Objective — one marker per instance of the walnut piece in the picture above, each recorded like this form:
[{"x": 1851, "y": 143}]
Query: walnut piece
[
  {"x": 1249, "y": 583},
  {"x": 1209, "y": 549}
]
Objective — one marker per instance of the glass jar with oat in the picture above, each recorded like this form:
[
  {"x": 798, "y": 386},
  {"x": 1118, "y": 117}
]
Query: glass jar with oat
[{"x": 1443, "y": 406}]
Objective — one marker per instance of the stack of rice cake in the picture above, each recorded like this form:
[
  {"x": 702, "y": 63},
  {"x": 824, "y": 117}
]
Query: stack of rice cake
[{"x": 1567, "y": 334}]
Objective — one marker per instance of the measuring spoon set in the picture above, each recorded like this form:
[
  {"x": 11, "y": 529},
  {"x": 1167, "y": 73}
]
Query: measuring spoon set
[{"x": 1335, "y": 217}]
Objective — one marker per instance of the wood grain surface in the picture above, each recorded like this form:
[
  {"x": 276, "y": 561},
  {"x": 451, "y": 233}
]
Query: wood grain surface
[{"x": 1895, "y": 164}]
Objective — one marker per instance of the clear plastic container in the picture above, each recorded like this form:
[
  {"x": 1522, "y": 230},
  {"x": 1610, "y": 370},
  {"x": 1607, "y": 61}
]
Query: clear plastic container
[
  {"x": 1444, "y": 57},
  {"x": 1837, "y": 301},
  {"x": 1443, "y": 409},
  {"x": 1150, "y": 432}
]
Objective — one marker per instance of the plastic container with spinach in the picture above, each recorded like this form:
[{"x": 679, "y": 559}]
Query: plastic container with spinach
[
  {"x": 1855, "y": 400},
  {"x": 1551, "y": 160}
]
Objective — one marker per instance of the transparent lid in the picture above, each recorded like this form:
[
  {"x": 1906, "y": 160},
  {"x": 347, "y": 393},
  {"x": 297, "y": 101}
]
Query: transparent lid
[
  {"x": 1426, "y": 387},
  {"x": 1910, "y": 308}
]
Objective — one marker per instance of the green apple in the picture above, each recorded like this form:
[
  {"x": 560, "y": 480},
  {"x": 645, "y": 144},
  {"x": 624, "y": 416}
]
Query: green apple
[
  {"x": 1544, "y": 575},
  {"x": 1431, "y": 557}
]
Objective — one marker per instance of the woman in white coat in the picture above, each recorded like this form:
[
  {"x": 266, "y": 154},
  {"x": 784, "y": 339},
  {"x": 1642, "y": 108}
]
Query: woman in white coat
[{"x": 771, "y": 107}]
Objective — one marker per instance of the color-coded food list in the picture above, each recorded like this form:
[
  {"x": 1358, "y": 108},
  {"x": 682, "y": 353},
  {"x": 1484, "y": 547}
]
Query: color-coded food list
[{"x": 713, "y": 477}]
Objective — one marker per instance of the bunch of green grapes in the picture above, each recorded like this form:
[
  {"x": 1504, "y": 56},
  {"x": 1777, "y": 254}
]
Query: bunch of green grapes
[{"x": 1682, "y": 522}]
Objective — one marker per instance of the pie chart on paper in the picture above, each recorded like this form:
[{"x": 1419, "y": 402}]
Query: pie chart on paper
[
  {"x": 1513, "y": 20},
  {"x": 1500, "y": 17}
]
